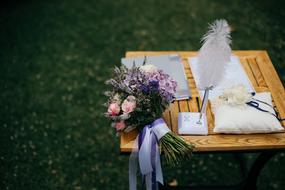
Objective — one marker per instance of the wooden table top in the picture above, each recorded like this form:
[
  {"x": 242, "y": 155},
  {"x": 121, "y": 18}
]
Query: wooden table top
[{"x": 263, "y": 77}]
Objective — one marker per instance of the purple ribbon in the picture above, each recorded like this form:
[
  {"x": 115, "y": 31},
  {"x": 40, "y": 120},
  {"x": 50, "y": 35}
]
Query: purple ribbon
[
  {"x": 148, "y": 155},
  {"x": 154, "y": 143}
]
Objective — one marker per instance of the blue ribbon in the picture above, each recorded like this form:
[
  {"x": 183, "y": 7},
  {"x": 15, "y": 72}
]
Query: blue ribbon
[{"x": 255, "y": 104}]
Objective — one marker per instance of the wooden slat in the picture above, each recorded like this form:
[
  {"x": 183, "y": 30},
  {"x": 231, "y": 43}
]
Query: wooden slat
[
  {"x": 174, "y": 116},
  {"x": 230, "y": 142},
  {"x": 183, "y": 106},
  {"x": 273, "y": 82},
  {"x": 193, "y": 104},
  {"x": 248, "y": 72},
  {"x": 237, "y": 142},
  {"x": 262, "y": 89},
  {"x": 256, "y": 72},
  {"x": 127, "y": 139},
  {"x": 263, "y": 77},
  {"x": 167, "y": 119},
  {"x": 210, "y": 119}
]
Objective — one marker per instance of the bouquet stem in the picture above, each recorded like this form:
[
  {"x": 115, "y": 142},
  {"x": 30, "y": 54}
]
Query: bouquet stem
[{"x": 175, "y": 148}]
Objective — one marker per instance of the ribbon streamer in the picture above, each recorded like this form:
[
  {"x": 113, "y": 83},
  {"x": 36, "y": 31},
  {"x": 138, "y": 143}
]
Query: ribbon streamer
[
  {"x": 146, "y": 153},
  {"x": 255, "y": 104}
]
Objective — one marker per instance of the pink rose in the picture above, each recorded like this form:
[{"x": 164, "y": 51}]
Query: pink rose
[
  {"x": 114, "y": 109},
  {"x": 120, "y": 125},
  {"x": 129, "y": 104}
]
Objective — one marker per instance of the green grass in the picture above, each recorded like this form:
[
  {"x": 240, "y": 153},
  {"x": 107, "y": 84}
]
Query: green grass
[{"x": 54, "y": 59}]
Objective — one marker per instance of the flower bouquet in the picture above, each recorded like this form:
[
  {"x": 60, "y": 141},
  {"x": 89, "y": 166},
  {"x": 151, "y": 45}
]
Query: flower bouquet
[{"x": 138, "y": 99}]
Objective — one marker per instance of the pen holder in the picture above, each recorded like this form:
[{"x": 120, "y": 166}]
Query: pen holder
[{"x": 188, "y": 123}]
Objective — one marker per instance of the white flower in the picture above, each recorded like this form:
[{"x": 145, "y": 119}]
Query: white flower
[
  {"x": 117, "y": 98},
  {"x": 131, "y": 99},
  {"x": 148, "y": 68},
  {"x": 235, "y": 96}
]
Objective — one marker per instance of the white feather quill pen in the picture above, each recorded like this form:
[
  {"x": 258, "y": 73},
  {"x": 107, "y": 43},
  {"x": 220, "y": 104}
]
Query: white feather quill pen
[{"x": 212, "y": 58}]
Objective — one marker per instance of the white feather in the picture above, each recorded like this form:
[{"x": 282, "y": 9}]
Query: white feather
[{"x": 214, "y": 54}]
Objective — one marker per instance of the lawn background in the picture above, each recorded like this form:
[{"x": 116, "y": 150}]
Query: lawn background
[{"x": 54, "y": 59}]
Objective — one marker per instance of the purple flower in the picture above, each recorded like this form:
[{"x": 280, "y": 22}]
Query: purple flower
[
  {"x": 154, "y": 84},
  {"x": 155, "y": 81},
  {"x": 144, "y": 88},
  {"x": 168, "y": 96}
]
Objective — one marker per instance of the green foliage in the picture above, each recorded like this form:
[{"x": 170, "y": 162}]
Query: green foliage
[
  {"x": 54, "y": 59},
  {"x": 175, "y": 149}
]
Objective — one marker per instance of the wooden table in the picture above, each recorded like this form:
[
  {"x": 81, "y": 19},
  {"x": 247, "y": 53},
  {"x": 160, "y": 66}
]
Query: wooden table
[{"x": 263, "y": 77}]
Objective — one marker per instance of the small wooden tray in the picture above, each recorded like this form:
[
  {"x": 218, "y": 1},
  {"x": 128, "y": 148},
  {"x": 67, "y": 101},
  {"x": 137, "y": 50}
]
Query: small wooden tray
[{"x": 263, "y": 77}]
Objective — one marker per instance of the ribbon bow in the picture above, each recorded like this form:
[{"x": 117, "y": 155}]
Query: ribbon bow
[{"x": 146, "y": 153}]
